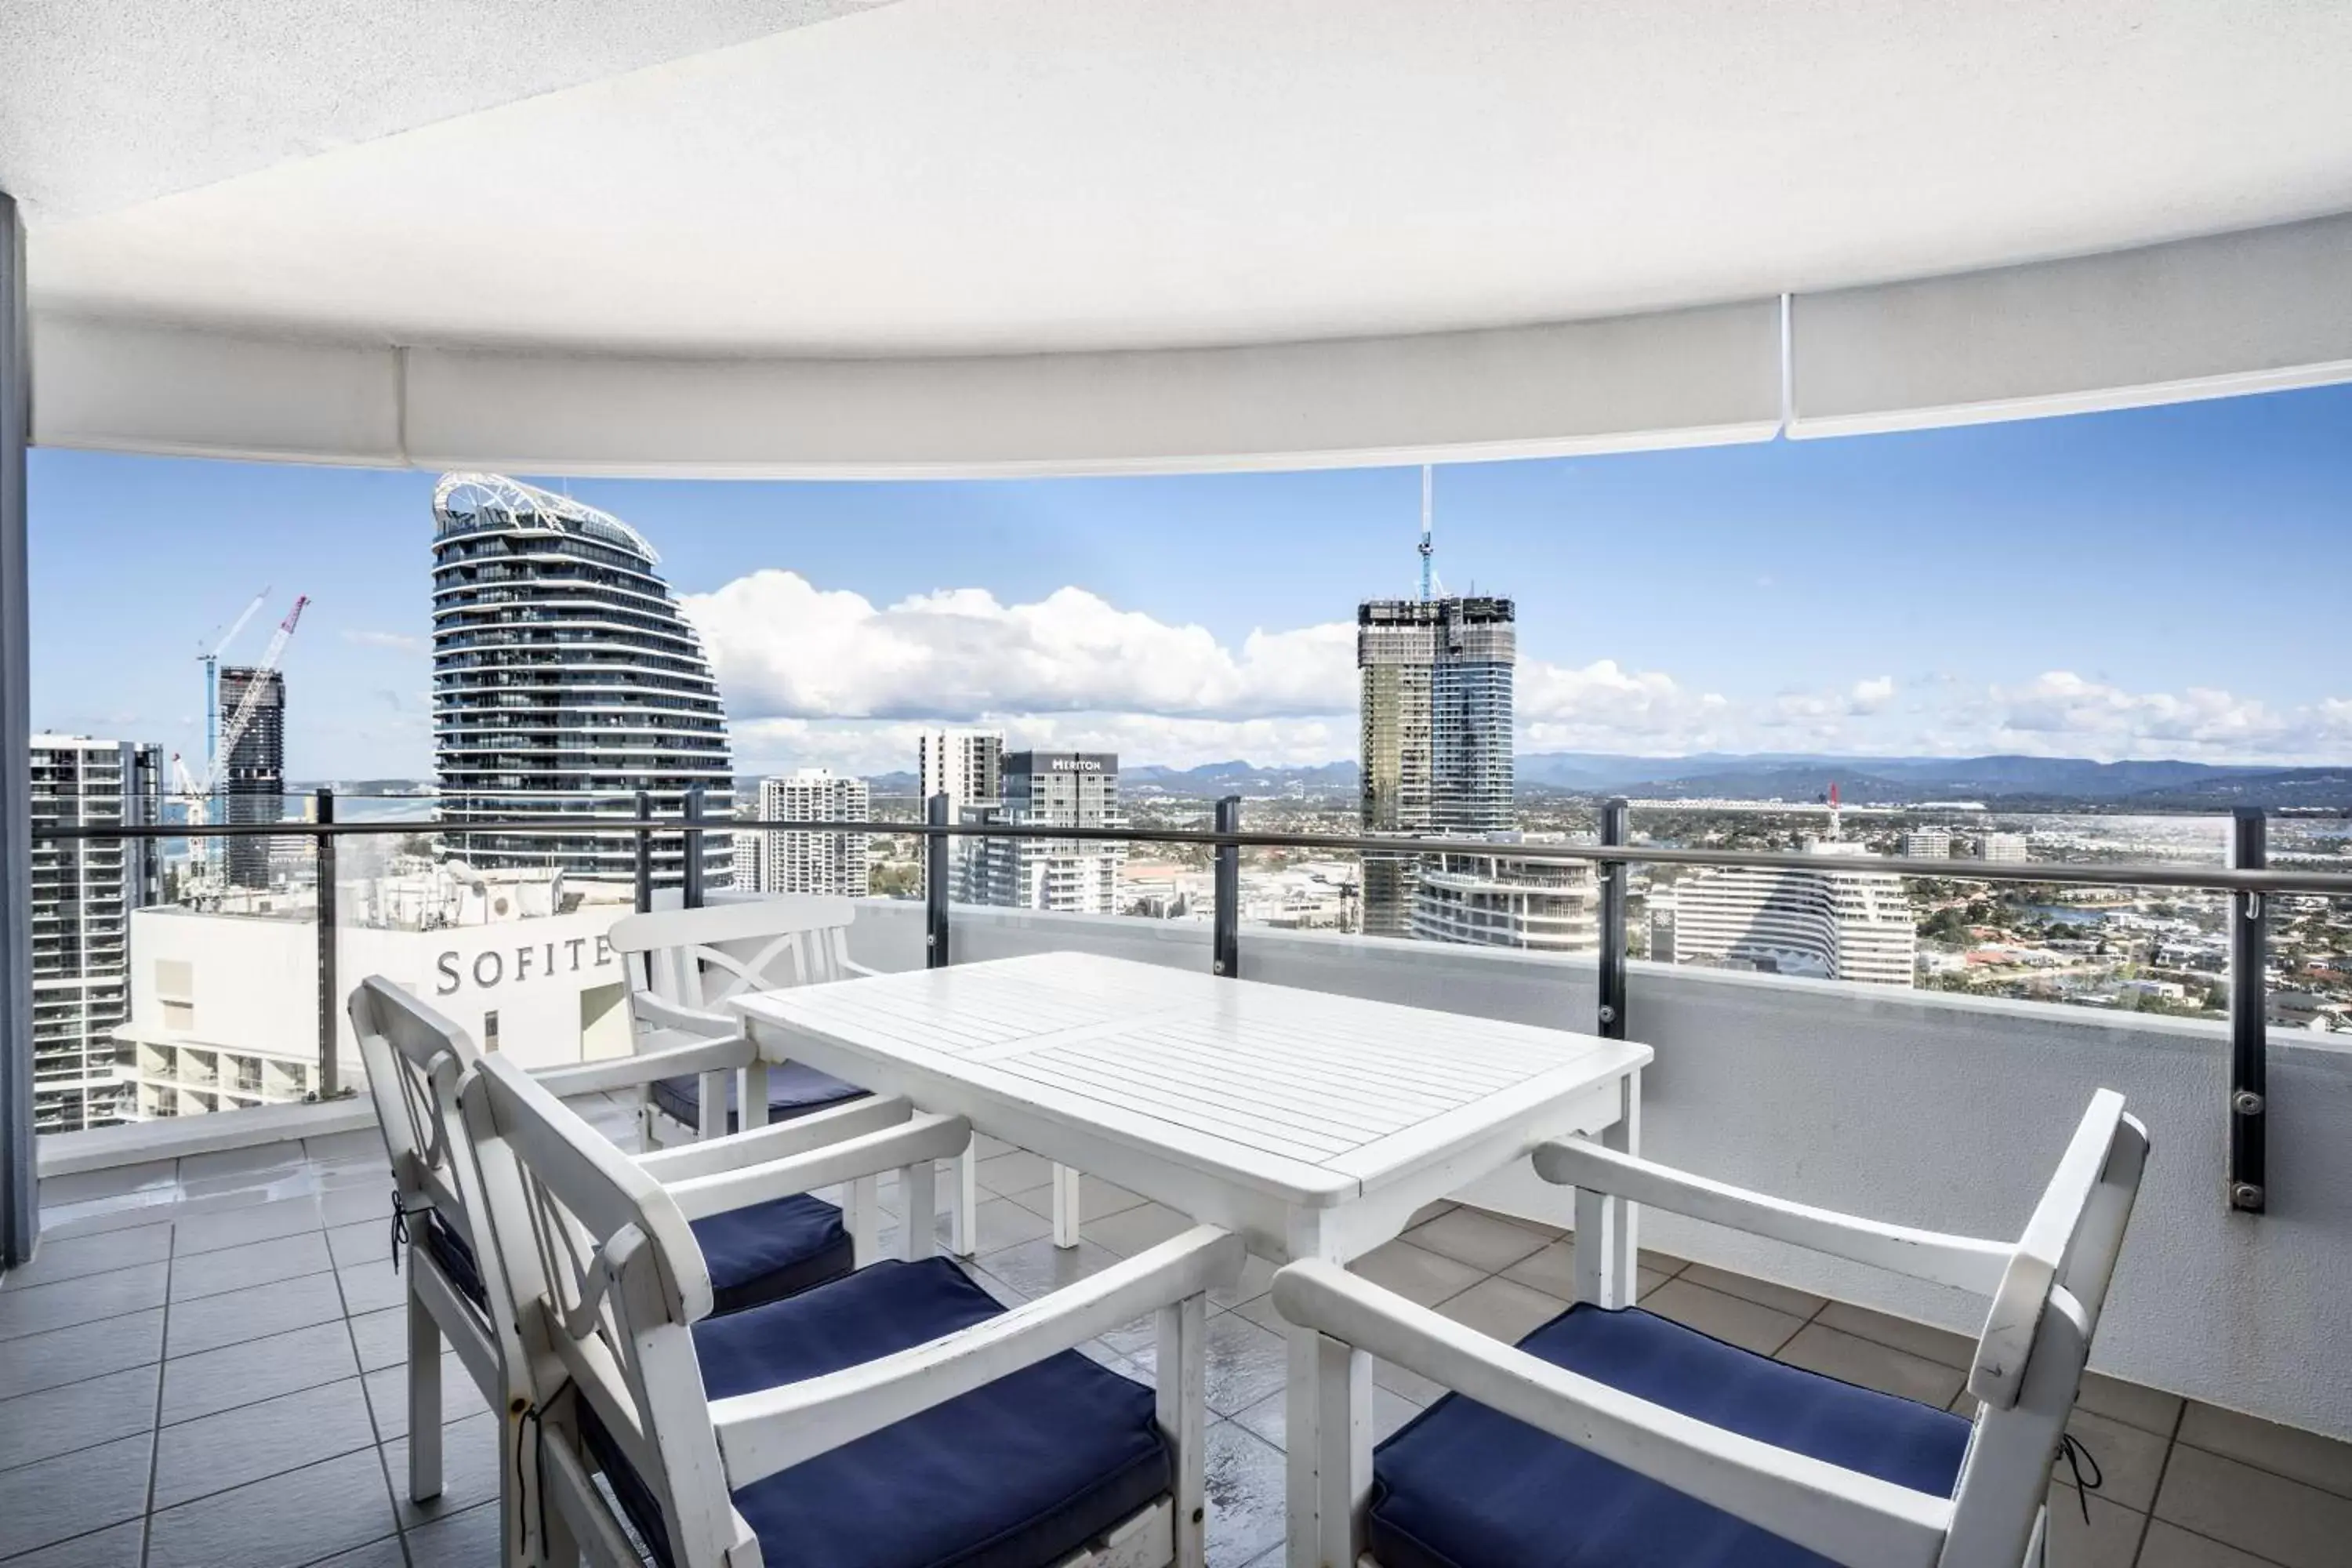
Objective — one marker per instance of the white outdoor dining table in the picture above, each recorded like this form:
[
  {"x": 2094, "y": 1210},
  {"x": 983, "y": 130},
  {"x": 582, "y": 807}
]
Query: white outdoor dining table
[{"x": 1313, "y": 1125}]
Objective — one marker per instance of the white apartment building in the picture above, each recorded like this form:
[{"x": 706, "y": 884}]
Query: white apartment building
[
  {"x": 1833, "y": 923},
  {"x": 224, "y": 1005},
  {"x": 1052, "y": 789},
  {"x": 968, "y": 767},
  {"x": 83, "y": 893},
  {"x": 1926, "y": 844},
  {"x": 1508, "y": 900},
  {"x": 2004, "y": 846},
  {"x": 806, "y": 862}
]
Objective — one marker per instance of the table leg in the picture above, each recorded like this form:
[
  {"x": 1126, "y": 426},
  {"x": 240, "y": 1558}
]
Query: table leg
[
  {"x": 1607, "y": 1262},
  {"x": 1065, "y": 1206}
]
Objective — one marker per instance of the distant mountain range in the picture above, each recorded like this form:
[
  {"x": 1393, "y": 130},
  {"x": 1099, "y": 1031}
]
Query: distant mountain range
[{"x": 2011, "y": 780}]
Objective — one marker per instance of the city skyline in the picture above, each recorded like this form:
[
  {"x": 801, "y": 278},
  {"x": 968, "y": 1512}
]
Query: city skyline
[{"x": 2051, "y": 587}]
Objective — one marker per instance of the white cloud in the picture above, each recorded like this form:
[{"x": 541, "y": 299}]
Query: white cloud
[
  {"x": 786, "y": 648},
  {"x": 396, "y": 641},
  {"x": 813, "y": 675}
]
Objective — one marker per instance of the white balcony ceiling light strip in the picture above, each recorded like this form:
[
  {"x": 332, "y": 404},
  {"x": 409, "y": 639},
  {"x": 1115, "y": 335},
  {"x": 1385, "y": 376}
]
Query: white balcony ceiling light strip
[{"x": 1009, "y": 236}]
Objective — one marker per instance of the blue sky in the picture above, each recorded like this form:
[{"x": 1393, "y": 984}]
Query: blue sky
[{"x": 2163, "y": 582}]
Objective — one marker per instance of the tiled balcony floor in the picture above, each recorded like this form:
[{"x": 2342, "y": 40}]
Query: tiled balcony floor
[{"x": 204, "y": 1367}]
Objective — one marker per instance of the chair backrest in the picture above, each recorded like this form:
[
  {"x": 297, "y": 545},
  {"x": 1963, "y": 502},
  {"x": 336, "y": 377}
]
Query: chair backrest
[
  {"x": 609, "y": 1276},
  {"x": 698, "y": 958},
  {"x": 414, "y": 1058},
  {"x": 2029, "y": 1361}
]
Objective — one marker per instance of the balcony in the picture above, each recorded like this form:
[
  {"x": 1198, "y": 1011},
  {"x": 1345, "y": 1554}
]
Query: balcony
[{"x": 245, "y": 1295}]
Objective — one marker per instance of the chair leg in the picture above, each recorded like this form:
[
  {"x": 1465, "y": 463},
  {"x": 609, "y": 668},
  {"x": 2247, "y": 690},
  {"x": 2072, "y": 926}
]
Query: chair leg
[
  {"x": 964, "y": 1214},
  {"x": 864, "y": 1216},
  {"x": 424, "y": 1399},
  {"x": 1066, "y": 1216},
  {"x": 1182, "y": 1358},
  {"x": 918, "y": 1187}
]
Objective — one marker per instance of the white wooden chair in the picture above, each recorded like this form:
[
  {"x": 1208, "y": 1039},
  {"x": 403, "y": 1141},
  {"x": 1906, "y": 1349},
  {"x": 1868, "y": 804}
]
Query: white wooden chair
[
  {"x": 896, "y": 1418},
  {"x": 415, "y": 1060},
  {"x": 684, "y": 964},
  {"x": 1616, "y": 1436}
]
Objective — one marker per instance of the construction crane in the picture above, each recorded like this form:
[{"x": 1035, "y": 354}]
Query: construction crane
[
  {"x": 250, "y": 704},
  {"x": 211, "y": 661},
  {"x": 1428, "y": 546}
]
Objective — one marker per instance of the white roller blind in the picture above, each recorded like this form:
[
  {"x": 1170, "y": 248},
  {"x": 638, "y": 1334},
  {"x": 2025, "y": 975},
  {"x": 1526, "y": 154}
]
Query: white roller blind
[
  {"x": 2250, "y": 311},
  {"x": 1686, "y": 377}
]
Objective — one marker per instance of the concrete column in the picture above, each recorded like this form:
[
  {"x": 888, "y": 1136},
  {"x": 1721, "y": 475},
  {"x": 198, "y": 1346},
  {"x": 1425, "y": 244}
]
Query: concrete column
[{"x": 19, "y": 1192}]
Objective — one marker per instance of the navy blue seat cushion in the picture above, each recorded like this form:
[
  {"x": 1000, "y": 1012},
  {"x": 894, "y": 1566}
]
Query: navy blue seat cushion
[
  {"x": 756, "y": 1255},
  {"x": 794, "y": 1089},
  {"x": 1019, "y": 1474},
  {"x": 1463, "y": 1486}
]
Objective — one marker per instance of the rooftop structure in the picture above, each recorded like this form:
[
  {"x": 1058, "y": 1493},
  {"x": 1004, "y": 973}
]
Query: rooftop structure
[
  {"x": 1837, "y": 923},
  {"x": 1508, "y": 900},
  {"x": 566, "y": 681},
  {"x": 811, "y": 862},
  {"x": 1052, "y": 789}
]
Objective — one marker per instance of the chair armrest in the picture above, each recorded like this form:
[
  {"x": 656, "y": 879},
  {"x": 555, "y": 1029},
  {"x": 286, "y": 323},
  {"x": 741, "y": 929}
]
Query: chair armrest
[
  {"x": 774, "y": 1429},
  {"x": 671, "y": 1061},
  {"x": 648, "y": 1008},
  {"x": 764, "y": 1145},
  {"x": 921, "y": 1137},
  {"x": 1843, "y": 1515},
  {"x": 1960, "y": 1260}
]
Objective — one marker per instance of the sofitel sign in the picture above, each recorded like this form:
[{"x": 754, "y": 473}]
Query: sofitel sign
[{"x": 495, "y": 966}]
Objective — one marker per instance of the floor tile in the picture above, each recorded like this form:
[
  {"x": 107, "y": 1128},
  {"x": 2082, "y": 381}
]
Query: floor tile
[
  {"x": 120, "y": 1546},
  {"x": 1428, "y": 1212},
  {"x": 86, "y": 1350},
  {"x": 1405, "y": 1381},
  {"x": 257, "y": 1370},
  {"x": 1012, "y": 1174},
  {"x": 1835, "y": 1353},
  {"x": 1246, "y": 1362},
  {"x": 1135, "y": 1229},
  {"x": 236, "y": 1316},
  {"x": 469, "y": 1470},
  {"x": 1097, "y": 1198},
  {"x": 1036, "y": 1267},
  {"x": 381, "y": 1338},
  {"x": 357, "y": 1200},
  {"x": 75, "y": 1256},
  {"x": 361, "y": 1146},
  {"x": 213, "y": 1453},
  {"x": 387, "y": 1392},
  {"x": 2268, "y": 1515},
  {"x": 255, "y": 1263},
  {"x": 38, "y": 1308},
  {"x": 1420, "y": 1275},
  {"x": 1269, "y": 1416},
  {"x": 2109, "y": 1538},
  {"x": 73, "y": 1494},
  {"x": 1939, "y": 1345},
  {"x": 1255, "y": 1280},
  {"x": 114, "y": 1180},
  {"x": 263, "y": 1222},
  {"x": 253, "y": 1160},
  {"x": 1731, "y": 1319},
  {"x": 462, "y": 1540},
  {"x": 391, "y": 1553},
  {"x": 1502, "y": 1309},
  {"x": 1247, "y": 1512},
  {"x": 1003, "y": 1223},
  {"x": 370, "y": 1241},
  {"x": 78, "y": 1415},
  {"x": 2299, "y": 1455},
  {"x": 2169, "y": 1546},
  {"x": 2130, "y": 1461},
  {"x": 282, "y": 1522},
  {"x": 372, "y": 1286},
  {"x": 2147, "y": 1408},
  {"x": 1763, "y": 1292},
  {"x": 1485, "y": 1242}
]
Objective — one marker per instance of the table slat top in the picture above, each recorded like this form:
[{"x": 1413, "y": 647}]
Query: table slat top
[{"x": 1302, "y": 1090}]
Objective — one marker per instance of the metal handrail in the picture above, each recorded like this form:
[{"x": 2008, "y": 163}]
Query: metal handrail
[{"x": 2216, "y": 879}]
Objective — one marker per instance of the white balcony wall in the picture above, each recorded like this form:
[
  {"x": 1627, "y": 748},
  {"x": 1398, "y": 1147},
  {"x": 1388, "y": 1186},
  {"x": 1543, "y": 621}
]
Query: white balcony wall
[{"x": 1913, "y": 1106}]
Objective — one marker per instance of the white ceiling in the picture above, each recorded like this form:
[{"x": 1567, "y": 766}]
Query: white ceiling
[{"x": 960, "y": 177}]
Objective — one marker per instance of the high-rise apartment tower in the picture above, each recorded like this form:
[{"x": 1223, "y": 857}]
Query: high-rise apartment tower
[
  {"x": 1436, "y": 682},
  {"x": 809, "y": 862},
  {"x": 566, "y": 680},
  {"x": 83, "y": 891},
  {"x": 253, "y": 774},
  {"x": 1068, "y": 876}
]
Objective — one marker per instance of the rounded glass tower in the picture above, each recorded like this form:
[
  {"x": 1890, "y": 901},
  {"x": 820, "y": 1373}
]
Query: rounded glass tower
[{"x": 565, "y": 680}]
